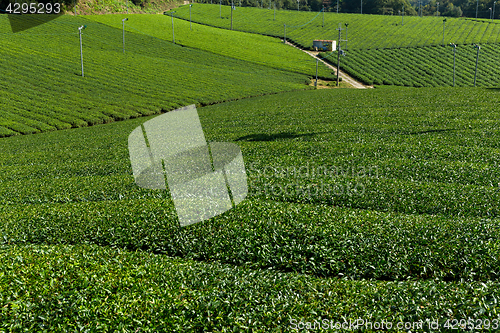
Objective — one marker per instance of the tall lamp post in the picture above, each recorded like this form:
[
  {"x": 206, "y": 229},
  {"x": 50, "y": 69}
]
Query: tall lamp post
[
  {"x": 316, "y": 82},
  {"x": 444, "y": 22},
  {"x": 361, "y": 11},
  {"x": 81, "y": 49},
  {"x": 493, "y": 13},
  {"x": 454, "y": 53},
  {"x": 345, "y": 35},
  {"x": 477, "y": 59},
  {"x": 437, "y": 10},
  {"x": 173, "y": 32},
  {"x": 403, "y": 15},
  {"x": 123, "y": 26},
  {"x": 323, "y": 10},
  {"x": 338, "y": 54}
]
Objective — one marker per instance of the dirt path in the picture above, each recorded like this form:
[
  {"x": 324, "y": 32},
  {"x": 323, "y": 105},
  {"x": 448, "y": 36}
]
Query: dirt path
[{"x": 345, "y": 78}]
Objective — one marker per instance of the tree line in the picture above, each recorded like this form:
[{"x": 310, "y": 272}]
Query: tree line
[{"x": 453, "y": 8}]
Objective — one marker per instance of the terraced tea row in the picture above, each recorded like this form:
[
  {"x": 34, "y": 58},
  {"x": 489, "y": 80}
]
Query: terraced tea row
[
  {"x": 44, "y": 90},
  {"x": 62, "y": 288},
  {"x": 253, "y": 48},
  {"x": 373, "y": 150},
  {"x": 363, "y": 31},
  {"x": 423, "y": 66},
  {"x": 418, "y": 155}
]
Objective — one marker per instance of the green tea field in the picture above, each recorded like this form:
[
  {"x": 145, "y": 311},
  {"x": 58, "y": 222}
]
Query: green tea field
[
  {"x": 430, "y": 66},
  {"x": 152, "y": 75},
  {"x": 253, "y": 48},
  {"x": 363, "y": 31},
  {"x": 395, "y": 209},
  {"x": 379, "y": 49},
  {"x": 368, "y": 210}
]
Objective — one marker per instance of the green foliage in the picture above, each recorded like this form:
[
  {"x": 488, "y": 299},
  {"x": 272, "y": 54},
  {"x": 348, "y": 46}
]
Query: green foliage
[
  {"x": 424, "y": 245},
  {"x": 43, "y": 90},
  {"x": 71, "y": 288},
  {"x": 423, "y": 66},
  {"x": 384, "y": 7},
  {"x": 364, "y": 31},
  {"x": 380, "y": 204},
  {"x": 257, "y": 49},
  {"x": 410, "y": 188}
]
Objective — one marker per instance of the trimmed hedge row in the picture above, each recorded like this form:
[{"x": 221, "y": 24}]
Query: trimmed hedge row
[
  {"x": 68, "y": 288},
  {"x": 261, "y": 50},
  {"x": 422, "y": 66},
  {"x": 416, "y": 152},
  {"x": 363, "y": 31},
  {"x": 44, "y": 90}
]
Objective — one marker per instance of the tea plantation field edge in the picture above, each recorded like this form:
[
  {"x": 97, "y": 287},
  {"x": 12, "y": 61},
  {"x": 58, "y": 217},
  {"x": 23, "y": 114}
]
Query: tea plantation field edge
[
  {"x": 363, "y": 31},
  {"x": 43, "y": 90},
  {"x": 430, "y": 66},
  {"x": 262, "y": 50},
  {"x": 70, "y": 287},
  {"x": 70, "y": 207}
]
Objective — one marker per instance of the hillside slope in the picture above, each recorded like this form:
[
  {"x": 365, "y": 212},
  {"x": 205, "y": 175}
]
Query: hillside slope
[
  {"x": 254, "y": 48},
  {"x": 42, "y": 87},
  {"x": 363, "y": 31},
  {"x": 381, "y": 205}
]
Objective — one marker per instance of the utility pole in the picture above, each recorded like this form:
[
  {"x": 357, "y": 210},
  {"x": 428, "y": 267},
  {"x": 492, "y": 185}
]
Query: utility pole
[
  {"x": 274, "y": 19},
  {"x": 220, "y": 8},
  {"x": 284, "y": 36},
  {"x": 444, "y": 22},
  {"x": 123, "y": 25},
  {"x": 323, "y": 16},
  {"x": 81, "y": 48},
  {"x": 437, "y": 10},
  {"x": 231, "y": 15},
  {"x": 454, "y": 53},
  {"x": 477, "y": 6},
  {"x": 338, "y": 55},
  {"x": 316, "y": 83},
  {"x": 477, "y": 59},
  {"x": 173, "y": 32},
  {"x": 403, "y": 17},
  {"x": 361, "y": 12},
  {"x": 493, "y": 14},
  {"x": 337, "y": 6},
  {"x": 190, "y": 25},
  {"x": 346, "y": 35}
]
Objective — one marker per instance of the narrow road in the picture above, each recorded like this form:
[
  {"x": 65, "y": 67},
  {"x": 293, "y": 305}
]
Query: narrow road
[{"x": 344, "y": 76}]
